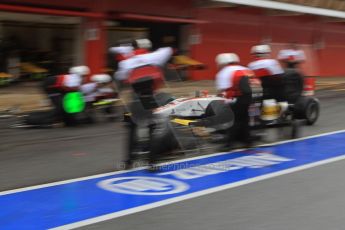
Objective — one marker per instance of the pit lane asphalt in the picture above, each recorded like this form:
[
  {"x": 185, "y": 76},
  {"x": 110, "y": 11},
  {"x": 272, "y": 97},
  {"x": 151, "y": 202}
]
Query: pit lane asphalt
[{"x": 310, "y": 199}]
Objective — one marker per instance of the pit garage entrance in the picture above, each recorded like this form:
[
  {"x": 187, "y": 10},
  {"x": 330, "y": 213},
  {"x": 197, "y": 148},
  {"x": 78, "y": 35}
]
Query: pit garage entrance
[{"x": 36, "y": 45}]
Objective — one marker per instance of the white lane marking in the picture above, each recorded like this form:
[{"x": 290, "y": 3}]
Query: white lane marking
[
  {"x": 193, "y": 195},
  {"x": 144, "y": 186},
  {"x": 163, "y": 164}
]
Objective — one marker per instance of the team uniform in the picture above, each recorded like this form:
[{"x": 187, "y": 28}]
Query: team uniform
[
  {"x": 56, "y": 88},
  {"x": 270, "y": 73},
  {"x": 126, "y": 52},
  {"x": 293, "y": 78},
  {"x": 156, "y": 58},
  {"x": 100, "y": 87},
  {"x": 143, "y": 72},
  {"x": 234, "y": 82},
  {"x": 266, "y": 67},
  {"x": 228, "y": 79}
]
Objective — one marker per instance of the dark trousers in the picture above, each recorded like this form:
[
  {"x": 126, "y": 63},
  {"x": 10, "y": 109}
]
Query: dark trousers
[
  {"x": 141, "y": 116},
  {"x": 141, "y": 109},
  {"x": 56, "y": 100},
  {"x": 273, "y": 87},
  {"x": 240, "y": 131},
  {"x": 133, "y": 142}
]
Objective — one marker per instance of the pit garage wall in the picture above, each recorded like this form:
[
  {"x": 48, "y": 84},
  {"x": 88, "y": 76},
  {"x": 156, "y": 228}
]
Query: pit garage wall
[
  {"x": 233, "y": 30},
  {"x": 90, "y": 33},
  {"x": 93, "y": 32},
  {"x": 176, "y": 8},
  {"x": 229, "y": 30}
]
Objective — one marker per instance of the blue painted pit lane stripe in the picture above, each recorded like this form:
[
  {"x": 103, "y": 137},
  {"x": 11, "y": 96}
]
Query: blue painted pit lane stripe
[
  {"x": 170, "y": 162},
  {"x": 79, "y": 202},
  {"x": 193, "y": 195}
]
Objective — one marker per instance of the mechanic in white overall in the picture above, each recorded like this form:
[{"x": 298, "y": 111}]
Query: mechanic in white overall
[
  {"x": 125, "y": 51},
  {"x": 293, "y": 77},
  {"x": 143, "y": 72},
  {"x": 291, "y": 58},
  {"x": 233, "y": 81},
  {"x": 138, "y": 46},
  {"x": 101, "y": 86},
  {"x": 269, "y": 71},
  {"x": 58, "y": 86}
]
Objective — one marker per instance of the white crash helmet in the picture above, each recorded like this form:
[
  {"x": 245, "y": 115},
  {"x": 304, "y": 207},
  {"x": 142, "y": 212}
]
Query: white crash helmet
[
  {"x": 227, "y": 58},
  {"x": 101, "y": 78},
  {"x": 144, "y": 43},
  {"x": 80, "y": 70},
  {"x": 290, "y": 55},
  {"x": 261, "y": 49}
]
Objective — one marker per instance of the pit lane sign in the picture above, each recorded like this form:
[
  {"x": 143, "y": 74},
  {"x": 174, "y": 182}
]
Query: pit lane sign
[{"x": 79, "y": 202}]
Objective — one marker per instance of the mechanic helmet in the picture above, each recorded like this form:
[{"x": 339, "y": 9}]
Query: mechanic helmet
[
  {"x": 227, "y": 58},
  {"x": 142, "y": 43},
  {"x": 80, "y": 70},
  {"x": 291, "y": 56},
  {"x": 261, "y": 50},
  {"x": 101, "y": 78}
]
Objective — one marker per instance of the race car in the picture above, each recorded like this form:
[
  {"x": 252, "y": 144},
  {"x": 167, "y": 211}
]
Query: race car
[{"x": 184, "y": 121}]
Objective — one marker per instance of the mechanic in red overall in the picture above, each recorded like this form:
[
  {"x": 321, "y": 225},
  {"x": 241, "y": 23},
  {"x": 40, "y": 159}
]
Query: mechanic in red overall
[
  {"x": 233, "y": 81},
  {"x": 269, "y": 71}
]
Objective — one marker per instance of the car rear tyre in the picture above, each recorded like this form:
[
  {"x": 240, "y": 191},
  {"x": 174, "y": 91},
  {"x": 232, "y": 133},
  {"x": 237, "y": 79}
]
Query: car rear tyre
[
  {"x": 308, "y": 109},
  {"x": 312, "y": 112}
]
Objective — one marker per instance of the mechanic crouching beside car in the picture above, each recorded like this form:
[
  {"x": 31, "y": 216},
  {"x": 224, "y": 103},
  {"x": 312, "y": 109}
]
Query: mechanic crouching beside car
[
  {"x": 56, "y": 87},
  {"x": 233, "y": 82}
]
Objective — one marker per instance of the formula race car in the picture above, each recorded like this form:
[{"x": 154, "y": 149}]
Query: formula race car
[{"x": 184, "y": 123}]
